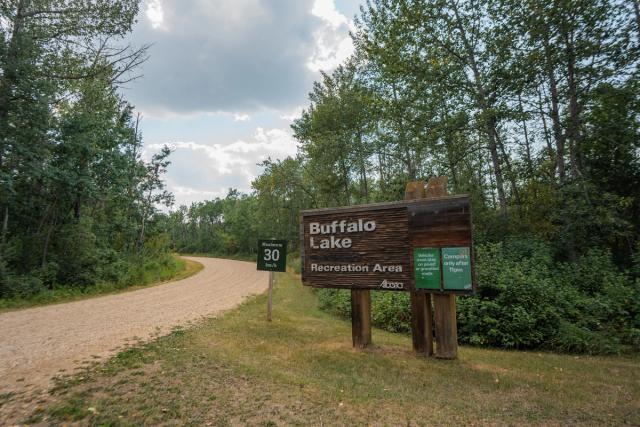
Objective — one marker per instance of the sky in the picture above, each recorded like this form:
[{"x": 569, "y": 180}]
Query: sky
[{"x": 226, "y": 78}]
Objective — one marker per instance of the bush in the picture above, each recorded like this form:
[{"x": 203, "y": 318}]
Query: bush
[
  {"x": 526, "y": 301},
  {"x": 77, "y": 255},
  {"x": 335, "y": 301},
  {"x": 516, "y": 305},
  {"x": 391, "y": 311},
  {"x": 25, "y": 286}
]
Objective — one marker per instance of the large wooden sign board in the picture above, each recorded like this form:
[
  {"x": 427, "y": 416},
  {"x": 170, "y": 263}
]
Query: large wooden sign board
[{"x": 422, "y": 245}]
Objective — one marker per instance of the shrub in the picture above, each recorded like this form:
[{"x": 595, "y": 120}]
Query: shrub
[
  {"x": 335, "y": 301},
  {"x": 526, "y": 301},
  {"x": 391, "y": 311},
  {"x": 77, "y": 255}
]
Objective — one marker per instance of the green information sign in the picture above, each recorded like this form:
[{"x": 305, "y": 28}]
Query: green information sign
[
  {"x": 272, "y": 255},
  {"x": 456, "y": 268},
  {"x": 426, "y": 268}
]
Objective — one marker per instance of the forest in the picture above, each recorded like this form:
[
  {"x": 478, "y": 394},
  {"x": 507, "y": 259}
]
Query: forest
[
  {"x": 78, "y": 202},
  {"x": 532, "y": 108}
]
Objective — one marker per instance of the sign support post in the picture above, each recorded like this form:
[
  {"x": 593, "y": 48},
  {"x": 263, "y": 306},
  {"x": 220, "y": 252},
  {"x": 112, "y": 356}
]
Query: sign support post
[
  {"x": 446, "y": 326},
  {"x": 444, "y": 304},
  {"x": 270, "y": 297},
  {"x": 272, "y": 256},
  {"x": 361, "y": 317},
  {"x": 421, "y": 312}
]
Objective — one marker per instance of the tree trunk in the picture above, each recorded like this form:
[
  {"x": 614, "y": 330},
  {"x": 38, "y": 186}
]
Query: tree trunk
[
  {"x": 448, "y": 143},
  {"x": 452, "y": 169},
  {"x": 544, "y": 123},
  {"x": 411, "y": 171},
  {"x": 5, "y": 226},
  {"x": 363, "y": 169},
  {"x": 145, "y": 212},
  {"x": 485, "y": 108},
  {"x": 381, "y": 172},
  {"x": 495, "y": 159},
  {"x": 47, "y": 240},
  {"x": 510, "y": 173},
  {"x": 365, "y": 183},
  {"x": 555, "y": 112},
  {"x": 527, "y": 145},
  {"x": 76, "y": 208},
  {"x": 493, "y": 184},
  {"x": 9, "y": 76},
  {"x": 636, "y": 9},
  {"x": 574, "y": 132},
  {"x": 345, "y": 181}
]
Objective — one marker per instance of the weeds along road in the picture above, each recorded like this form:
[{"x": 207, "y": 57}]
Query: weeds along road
[{"x": 38, "y": 343}]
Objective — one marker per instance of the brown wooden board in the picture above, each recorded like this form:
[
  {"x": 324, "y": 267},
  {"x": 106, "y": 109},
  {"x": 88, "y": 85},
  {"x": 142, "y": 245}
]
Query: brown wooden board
[{"x": 380, "y": 258}]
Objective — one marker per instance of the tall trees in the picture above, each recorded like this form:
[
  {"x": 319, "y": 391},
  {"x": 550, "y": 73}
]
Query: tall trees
[
  {"x": 504, "y": 97},
  {"x": 568, "y": 49},
  {"x": 153, "y": 189},
  {"x": 75, "y": 195},
  {"x": 335, "y": 135},
  {"x": 530, "y": 107}
]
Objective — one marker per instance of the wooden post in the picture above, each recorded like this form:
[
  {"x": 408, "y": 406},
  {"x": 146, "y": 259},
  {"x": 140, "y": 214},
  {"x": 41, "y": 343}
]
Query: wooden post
[
  {"x": 421, "y": 323},
  {"x": 444, "y": 305},
  {"x": 361, "y": 317},
  {"x": 421, "y": 314},
  {"x": 270, "y": 297},
  {"x": 446, "y": 326}
]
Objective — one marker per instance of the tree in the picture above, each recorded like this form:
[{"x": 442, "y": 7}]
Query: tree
[
  {"x": 70, "y": 165},
  {"x": 153, "y": 189}
]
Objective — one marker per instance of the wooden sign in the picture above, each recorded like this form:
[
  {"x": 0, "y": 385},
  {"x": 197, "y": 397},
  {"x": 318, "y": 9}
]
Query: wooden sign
[{"x": 422, "y": 245}]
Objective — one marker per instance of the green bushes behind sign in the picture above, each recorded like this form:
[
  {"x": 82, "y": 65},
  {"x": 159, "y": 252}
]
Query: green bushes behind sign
[{"x": 526, "y": 301}]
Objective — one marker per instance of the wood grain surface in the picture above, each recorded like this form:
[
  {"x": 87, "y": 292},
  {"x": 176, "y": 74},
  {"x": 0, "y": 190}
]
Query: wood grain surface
[{"x": 400, "y": 226}]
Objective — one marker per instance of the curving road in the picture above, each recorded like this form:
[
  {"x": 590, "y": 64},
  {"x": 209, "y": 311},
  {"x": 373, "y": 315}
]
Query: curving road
[{"x": 38, "y": 343}]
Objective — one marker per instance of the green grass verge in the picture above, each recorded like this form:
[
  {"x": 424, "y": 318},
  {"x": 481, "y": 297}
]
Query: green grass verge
[
  {"x": 293, "y": 259},
  {"x": 236, "y": 257},
  {"x": 300, "y": 369},
  {"x": 157, "y": 275}
]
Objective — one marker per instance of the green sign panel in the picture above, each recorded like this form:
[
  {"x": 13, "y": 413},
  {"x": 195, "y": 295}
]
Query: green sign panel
[
  {"x": 456, "y": 268},
  {"x": 272, "y": 255},
  {"x": 426, "y": 268}
]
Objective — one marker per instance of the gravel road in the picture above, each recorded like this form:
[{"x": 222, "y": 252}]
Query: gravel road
[{"x": 38, "y": 343}]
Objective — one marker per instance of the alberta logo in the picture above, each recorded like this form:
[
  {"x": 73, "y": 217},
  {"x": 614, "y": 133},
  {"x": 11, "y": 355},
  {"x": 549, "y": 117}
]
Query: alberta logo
[{"x": 387, "y": 284}]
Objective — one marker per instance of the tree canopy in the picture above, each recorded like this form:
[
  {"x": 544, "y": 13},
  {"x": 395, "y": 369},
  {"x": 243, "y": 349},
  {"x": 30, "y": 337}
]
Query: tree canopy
[
  {"x": 75, "y": 194},
  {"x": 531, "y": 108}
]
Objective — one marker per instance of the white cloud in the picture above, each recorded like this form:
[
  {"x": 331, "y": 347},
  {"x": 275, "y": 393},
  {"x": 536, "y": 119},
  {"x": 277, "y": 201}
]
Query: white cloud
[
  {"x": 202, "y": 171},
  {"x": 333, "y": 44},
  {"x": 155, "y": 14},
  {"x": 241, "y": 117},
  {"x": 277, "y": 143},
  {"x": 293, "y": 114},
  {"x": 326, "y": 10},
  {"x": 187, "y": 191}
]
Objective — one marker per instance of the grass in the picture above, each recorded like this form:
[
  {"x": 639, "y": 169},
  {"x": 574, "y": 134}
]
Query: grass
[
  {"x": 154, "y": 275},
  {"x": 236, "y": 257},
  {"x": 300, "y": 369}
]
